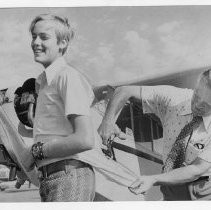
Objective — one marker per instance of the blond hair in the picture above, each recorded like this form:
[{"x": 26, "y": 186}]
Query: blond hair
[{"x": 63, "y": 29}]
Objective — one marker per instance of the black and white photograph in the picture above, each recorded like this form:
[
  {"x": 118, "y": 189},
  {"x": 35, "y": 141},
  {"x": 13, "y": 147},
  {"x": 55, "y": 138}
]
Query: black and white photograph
[{"x": 105, "y": 103}]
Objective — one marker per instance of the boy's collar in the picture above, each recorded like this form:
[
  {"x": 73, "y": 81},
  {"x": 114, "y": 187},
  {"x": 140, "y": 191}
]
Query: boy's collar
[
  {"x": 207, "y": 122},
  {"x": 55, "y": 67}
]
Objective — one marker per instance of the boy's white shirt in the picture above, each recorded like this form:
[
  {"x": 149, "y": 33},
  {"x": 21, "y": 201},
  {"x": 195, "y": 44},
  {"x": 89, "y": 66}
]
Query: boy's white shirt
[{"x": 112, "y": 170}]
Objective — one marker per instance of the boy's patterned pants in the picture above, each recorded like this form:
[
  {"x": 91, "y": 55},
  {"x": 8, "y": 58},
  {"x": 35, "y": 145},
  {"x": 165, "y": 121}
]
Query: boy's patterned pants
[{"x": 74, "y": 184}]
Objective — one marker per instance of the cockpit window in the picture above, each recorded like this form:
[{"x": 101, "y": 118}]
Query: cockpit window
[{"x": 145, "y": 128}]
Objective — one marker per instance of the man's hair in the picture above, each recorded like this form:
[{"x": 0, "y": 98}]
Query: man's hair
[
  {"x": 63, "y": 29},
  {"x": 205, "y": 77}
]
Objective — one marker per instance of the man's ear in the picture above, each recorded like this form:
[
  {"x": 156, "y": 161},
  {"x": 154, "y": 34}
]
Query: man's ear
[{"x": 63, "y": 44}]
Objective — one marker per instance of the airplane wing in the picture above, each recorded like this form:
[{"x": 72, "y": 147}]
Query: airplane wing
[{"x": 13, "y": 142}]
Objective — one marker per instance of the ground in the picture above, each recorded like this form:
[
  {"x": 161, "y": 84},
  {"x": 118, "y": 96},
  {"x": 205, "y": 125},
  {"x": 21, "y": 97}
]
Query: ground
[{"x": 24, "y": 194}]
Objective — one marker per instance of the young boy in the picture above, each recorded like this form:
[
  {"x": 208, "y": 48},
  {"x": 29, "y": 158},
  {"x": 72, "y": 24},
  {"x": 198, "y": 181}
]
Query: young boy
[{"x": 62, "y": 125}]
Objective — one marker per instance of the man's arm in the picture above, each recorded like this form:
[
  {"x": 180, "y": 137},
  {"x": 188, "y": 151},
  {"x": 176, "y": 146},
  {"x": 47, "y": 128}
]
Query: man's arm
[
  {"x": 177, "y": 176},
  {"x": 116, "y": 103}
]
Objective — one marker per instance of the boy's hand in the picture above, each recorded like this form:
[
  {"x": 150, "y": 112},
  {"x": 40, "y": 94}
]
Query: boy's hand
[{"x": 142, "y": 185}]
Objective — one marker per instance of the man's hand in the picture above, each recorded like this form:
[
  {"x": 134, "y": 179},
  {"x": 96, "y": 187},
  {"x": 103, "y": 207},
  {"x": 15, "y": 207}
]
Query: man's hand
[
  {"x": 28, "y": 160},
  {"x": 109, "y": 130},
  {"x": 142, "y": 185}
]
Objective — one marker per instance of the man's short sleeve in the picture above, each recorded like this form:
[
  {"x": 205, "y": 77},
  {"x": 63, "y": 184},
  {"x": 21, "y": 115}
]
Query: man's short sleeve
[
  {"x": 206, "y": 154},
  {"x": 75, "y": 92},
  {"x": 159, "y": 99}
]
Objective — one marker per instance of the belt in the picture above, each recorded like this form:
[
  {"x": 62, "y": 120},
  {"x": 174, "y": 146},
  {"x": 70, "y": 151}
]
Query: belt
[{"x": 62, "y": 165}]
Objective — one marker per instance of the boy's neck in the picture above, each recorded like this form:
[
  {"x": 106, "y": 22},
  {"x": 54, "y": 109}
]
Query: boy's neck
[{"x": 47, "y": 65}]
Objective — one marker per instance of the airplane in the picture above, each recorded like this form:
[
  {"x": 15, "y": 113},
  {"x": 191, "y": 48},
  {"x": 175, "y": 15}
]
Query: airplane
[{"x": 140, "y": 152}]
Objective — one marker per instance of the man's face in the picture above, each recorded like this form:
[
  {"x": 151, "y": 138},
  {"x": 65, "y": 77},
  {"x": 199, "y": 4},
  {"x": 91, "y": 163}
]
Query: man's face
[
  {"x": 44, "y": 43},
  {"x": 201, "y": 100}
]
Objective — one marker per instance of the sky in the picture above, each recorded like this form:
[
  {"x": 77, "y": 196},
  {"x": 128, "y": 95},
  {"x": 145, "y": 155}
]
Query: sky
[{"x": 114, "y": 43}]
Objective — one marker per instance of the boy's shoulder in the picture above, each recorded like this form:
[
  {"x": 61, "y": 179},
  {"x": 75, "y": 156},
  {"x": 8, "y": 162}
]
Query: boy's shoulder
[{"x": 70, "y": 72}]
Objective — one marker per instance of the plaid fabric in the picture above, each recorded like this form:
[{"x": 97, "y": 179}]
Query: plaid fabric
[{"x": 72, "y": 185}]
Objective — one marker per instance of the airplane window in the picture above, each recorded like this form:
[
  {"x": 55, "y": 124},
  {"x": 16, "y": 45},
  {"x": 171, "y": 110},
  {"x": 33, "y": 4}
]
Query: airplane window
[{"x": 145, "y": 128}]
